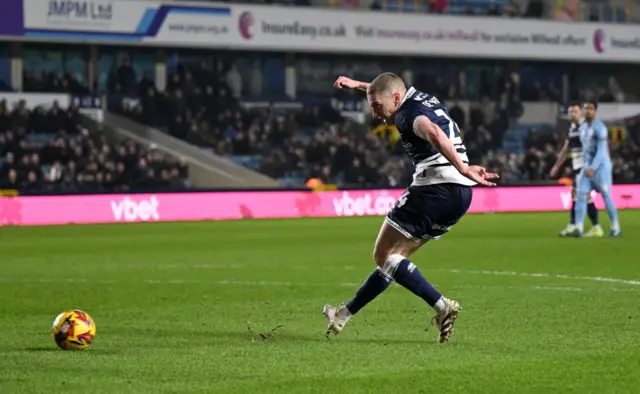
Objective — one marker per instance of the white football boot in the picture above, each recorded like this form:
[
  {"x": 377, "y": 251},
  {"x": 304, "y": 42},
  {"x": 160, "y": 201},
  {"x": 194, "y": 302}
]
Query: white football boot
[
  {"x": 337, "y": 318},
  {"x": 595, "y": 232},
  {"x": 446, "y": 319},
  {"x": 567, "y": 230}
]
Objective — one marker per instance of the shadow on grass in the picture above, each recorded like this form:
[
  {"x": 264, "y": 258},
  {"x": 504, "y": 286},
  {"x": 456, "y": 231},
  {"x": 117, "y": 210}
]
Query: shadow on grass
[
  {"x": 288, "y": 337},
  {"x": 93, "y": 349},
  {"x": 168, "y": 337},
  {"x": 42, "y": 349}
]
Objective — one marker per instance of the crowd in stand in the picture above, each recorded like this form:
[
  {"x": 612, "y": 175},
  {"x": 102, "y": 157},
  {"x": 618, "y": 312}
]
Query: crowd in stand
[{"x": 47, "y": 150}]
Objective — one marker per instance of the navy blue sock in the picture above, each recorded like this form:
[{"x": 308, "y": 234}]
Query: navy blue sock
[
  {"x": 408, "y": 275},
  {"x": 573, "y": 212},
  {"x": 592, "y": 211},
  {"x": 375, "y": 284}
]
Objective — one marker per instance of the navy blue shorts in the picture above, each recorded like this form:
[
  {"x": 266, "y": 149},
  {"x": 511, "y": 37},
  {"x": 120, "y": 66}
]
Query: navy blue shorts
[{"x": 427, "y": 212}]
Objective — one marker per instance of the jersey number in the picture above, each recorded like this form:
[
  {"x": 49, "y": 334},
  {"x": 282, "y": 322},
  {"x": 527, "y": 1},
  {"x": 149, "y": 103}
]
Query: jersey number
[
  {"x": 454, "y": 131},
  {"x": 403, "y": 199}
]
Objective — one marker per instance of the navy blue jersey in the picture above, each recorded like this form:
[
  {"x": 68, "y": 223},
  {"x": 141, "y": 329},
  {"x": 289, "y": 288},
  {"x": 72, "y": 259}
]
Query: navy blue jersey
[
  {"x": 575, "y": 147},
  {"x": 431, "y": 166}
]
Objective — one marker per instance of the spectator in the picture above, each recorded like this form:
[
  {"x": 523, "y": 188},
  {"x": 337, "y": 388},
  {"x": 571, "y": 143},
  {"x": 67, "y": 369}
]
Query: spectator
[
  {"x": 32, "y": 183},
  {"x": 8, "y": 165},
  {"x": 532, "y": 165},
  {"x": 567, "y": 10},
  {"x": 437, "y": 6},
  {"x": 234, "y": 81},
  {"x": 10, "y": 182}
]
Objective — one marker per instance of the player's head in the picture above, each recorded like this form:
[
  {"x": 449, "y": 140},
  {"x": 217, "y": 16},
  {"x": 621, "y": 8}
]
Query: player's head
[
  {"x": 590, "y": 108},
  {"x": 385, "y": 94},
  {"x": 575, "y": 112}
]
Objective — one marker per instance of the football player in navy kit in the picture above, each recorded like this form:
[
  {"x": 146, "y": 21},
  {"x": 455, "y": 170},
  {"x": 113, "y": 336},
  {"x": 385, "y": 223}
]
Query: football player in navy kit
[
  {"x": 436, "y": 200},
  {"x": 573, "y": 148}
]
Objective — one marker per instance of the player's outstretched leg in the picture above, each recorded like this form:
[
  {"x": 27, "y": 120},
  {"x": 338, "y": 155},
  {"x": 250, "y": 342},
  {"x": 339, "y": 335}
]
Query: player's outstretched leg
[{"x": 592, "y": 212}]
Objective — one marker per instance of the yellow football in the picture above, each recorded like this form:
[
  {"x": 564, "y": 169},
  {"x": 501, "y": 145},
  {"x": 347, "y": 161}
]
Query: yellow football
[{"x": 73, "y": 330}]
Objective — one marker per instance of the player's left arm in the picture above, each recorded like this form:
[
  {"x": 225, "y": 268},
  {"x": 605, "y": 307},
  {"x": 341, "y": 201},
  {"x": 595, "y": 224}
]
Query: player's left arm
[
  {"x": 562, "y": 157},
  {"x": 601, "y": 152},
  {"x": 431, "y": 132}
]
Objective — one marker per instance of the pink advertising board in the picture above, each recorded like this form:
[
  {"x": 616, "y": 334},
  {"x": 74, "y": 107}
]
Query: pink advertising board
[{"x": 51, "y": 210}]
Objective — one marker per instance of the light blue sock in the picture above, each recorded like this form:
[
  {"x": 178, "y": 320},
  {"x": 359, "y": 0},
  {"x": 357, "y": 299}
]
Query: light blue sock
[
  {"x": 581, "y": 210},
  {"x": 611, "y": 210}
]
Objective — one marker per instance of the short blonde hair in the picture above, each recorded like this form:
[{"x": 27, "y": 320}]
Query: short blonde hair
[{"x": 386, "y": 82}]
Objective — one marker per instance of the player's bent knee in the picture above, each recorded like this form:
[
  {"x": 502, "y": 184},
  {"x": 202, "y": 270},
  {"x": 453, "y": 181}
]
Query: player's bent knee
[
  {"x": 382, "y": 255},
  {"x": 391, "y": 264}
]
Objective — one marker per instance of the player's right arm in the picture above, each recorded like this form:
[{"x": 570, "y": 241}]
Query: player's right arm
[
  {"x": 562, "y": 157},
  {"x": 345, "y": 82},
  {"x": 601, "y": 134},
  {"x": 431, "y": 132}
]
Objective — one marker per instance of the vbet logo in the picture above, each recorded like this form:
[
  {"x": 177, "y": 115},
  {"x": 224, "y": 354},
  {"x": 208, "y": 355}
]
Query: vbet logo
[
  {"x": 567, "y": 199},
  {"x": 363, "y": 205},
  {"x": 129, "y": 210},
  {"x": 89, "y": 10}
]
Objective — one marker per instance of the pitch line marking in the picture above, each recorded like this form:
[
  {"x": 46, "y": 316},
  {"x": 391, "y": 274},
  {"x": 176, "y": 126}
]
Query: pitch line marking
[
  {"x": 537, "y": 275},
  {"x": 351, "y": 268}
]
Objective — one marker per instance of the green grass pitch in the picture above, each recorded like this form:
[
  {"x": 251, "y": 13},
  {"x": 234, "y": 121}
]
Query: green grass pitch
[{"x": 172, "y": 303}]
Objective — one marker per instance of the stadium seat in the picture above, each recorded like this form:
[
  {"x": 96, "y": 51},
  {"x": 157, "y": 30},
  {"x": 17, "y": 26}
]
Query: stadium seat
[
  {"x": 39, "y": 139},
  {"x": 607, "y": 13},
  {"x": 391, "y": 5},
  {"x": 408, "y": 6},
  {"x": 250, "y": 161}
]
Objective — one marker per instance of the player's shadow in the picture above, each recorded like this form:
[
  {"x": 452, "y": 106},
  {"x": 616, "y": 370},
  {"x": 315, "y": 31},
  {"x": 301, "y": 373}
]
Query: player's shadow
[{"x": 280, "y": 335}]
